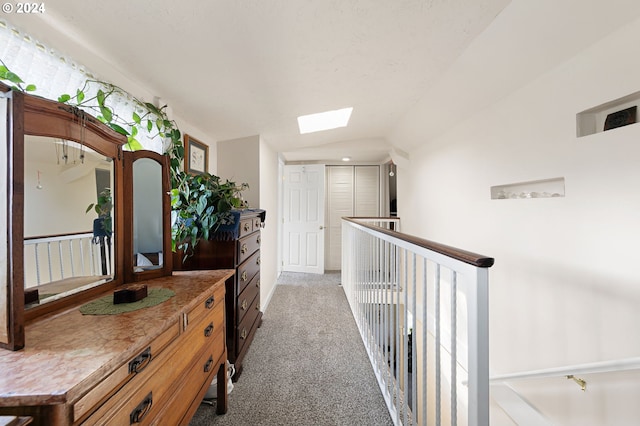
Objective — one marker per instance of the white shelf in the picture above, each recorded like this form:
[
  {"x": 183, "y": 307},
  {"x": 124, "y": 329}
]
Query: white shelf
[
  {"x": 545, "y": 188},
  {"x": 592, "y": 120}
]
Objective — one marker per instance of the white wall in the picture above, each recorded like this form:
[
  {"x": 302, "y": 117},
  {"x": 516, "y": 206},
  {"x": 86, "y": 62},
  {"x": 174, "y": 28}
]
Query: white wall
[
  {"x": 564, "y": 288},
  {"x": 239, "y": 162},
  {"x": 269, "y": 182}
]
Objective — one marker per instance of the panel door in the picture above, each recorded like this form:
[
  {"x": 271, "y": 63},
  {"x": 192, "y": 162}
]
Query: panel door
[{"x": 303, "y": 242}]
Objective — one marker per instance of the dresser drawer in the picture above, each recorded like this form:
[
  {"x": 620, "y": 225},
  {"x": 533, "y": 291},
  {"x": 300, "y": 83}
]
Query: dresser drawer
[
  {"x": 205, "y": 367},
  {"x": 144, "y": 395},
  {"x": 213, "y": 299},
  {"x": 246, "y": 327},
  {"x": 139, "y": 366},
  {"x": 248, "y": 245},
  {"x": 246, "y": 227},
  {"x": 246, "y": 298},
  {"x": 247, "y": 270}
]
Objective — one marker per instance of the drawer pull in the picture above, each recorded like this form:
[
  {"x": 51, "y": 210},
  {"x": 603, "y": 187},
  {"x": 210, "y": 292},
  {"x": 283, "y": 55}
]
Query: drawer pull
[
  {"x": 258, "y": 239},
  {"x": 208, "y": 330},
  {"x": 244, "y": 248},
  {"x": 208, "y": 364},
  {"x": 258, "y": 260},
  {"x": 247, "y": 226},
  {"x": 140, "y": 362},
  {"x": 243, "y": 276},
  {"x": 244, "y": 305},
  {"x": 243, "y": 335},
  {"x": 139, "y": 413},
  {"x": 209, "y": 303},
  {"x": 258, "y": 283},
  {"x": 258, "y": 306}
]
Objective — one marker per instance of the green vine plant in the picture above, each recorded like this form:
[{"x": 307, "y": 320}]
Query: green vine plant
[
  {"x": 145, "y": 116},
  {"x": 200, "y": 203},
  {"x": 15, "y": 82}
]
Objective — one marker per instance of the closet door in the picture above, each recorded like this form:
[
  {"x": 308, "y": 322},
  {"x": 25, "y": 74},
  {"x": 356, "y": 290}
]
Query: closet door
[
  {"x": 351, "y": 191},
  {"x": 366, "y": 194},
  {"x": 339, "y": 204}
]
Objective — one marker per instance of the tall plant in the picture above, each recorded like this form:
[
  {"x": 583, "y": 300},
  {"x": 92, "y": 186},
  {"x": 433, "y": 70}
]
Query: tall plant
[{"x": 199, "y": 206}]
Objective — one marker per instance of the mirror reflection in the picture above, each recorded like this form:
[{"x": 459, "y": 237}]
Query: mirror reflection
[
  {"x": 68, "y": 243},
  {"x": 147, "y": 215}
]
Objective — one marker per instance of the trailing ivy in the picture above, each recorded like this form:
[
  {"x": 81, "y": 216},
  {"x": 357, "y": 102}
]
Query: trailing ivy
[
  {"x": 199, "y": 203},
  {"x": 15, "y": 81}
]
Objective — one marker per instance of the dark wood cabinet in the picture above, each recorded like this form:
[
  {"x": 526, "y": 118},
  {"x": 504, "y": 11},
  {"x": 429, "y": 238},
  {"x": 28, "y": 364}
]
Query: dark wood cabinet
[{"x": 236, "y": 247}]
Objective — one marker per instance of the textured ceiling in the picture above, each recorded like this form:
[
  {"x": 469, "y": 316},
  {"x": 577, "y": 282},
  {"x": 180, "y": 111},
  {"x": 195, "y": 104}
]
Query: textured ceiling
[
  {"x": 410, "y": 68},
  {"x": 240, "y": 68}
]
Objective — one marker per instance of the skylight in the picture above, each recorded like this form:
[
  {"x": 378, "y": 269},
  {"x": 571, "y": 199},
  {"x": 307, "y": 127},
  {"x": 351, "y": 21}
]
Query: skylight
[{"x": 324, "y": 120}]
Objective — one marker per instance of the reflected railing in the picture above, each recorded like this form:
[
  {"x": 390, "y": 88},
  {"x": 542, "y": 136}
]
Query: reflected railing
[
  {"x": 422, "y": 311},
  {"x": 59, "y": 263}
]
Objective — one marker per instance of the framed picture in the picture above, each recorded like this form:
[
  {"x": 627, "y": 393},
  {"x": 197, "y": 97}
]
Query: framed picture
[{"x": 196, "y": 156}]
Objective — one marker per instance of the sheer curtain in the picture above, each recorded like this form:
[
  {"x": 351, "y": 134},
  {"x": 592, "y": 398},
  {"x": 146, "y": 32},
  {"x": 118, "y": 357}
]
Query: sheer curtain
[{"x": 54, "y": 75}]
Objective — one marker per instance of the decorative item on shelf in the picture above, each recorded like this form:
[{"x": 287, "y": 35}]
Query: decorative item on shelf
[
  {"x": 130, "y": 294},
  {"x": 196, "y": 159},
  {"x": 620, "y": 118}
]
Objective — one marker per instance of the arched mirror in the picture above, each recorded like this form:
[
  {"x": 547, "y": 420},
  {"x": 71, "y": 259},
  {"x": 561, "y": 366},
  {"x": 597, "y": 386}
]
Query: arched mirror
[
  {"x": 59, "y": 161},
  {"x": 147, "y": 216}
]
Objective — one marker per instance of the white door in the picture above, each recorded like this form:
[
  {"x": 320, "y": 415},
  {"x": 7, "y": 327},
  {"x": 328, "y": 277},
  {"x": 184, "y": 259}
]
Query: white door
[{"x": 303, "y": 242}]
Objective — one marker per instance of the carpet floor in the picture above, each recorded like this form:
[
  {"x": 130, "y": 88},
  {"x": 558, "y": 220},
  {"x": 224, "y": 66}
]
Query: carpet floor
[{"x": 307, "y": 364}]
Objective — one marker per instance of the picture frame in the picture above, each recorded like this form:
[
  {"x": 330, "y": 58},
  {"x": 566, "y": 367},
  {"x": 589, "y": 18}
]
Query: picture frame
[{"x": 196, "y": 156}]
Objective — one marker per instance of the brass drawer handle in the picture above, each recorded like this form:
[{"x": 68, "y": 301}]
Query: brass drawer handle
[
  {"x": 258, "y": 240},
  {"x": 243, "y": 276},
  {"x": 258, "y": 306},
  {"x": 141, "y": 411},
  {"x": 258, "y": 283},
  {"x": 247, "y": 226},
  {"x": 208, "y": 364},
  {"x": 244, "y": 305},
  {"x": 209, "y": 303},
  {"x": 243, "y": 335},
  {"x": 208, "y": 330},
  {"x": 258, "y": 260},
  {"x": 244, "y": 248},
  {"x": 140, "y": 362}
]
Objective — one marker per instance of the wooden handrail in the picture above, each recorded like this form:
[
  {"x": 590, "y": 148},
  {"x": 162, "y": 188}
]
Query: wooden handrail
[
  {"x": 70, "y": 234},
  {"x": 465, "y": 256}
]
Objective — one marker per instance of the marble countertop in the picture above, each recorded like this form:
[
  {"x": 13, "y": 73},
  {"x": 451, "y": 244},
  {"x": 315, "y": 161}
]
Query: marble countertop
[{"x": 68, "y": 353}]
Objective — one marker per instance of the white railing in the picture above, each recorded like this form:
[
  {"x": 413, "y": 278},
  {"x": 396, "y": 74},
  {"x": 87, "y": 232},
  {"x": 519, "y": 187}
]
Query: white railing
[
  {"x": 422, "y": 311},
  {"x": 58, "y": 257}
]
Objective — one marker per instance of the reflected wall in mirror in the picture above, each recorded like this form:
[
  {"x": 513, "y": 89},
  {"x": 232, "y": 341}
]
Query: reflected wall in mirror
[
  {"x": 147, "y": 215},
  {"x": 147, "y": 237},
  {"x": 62, "y": 253}
]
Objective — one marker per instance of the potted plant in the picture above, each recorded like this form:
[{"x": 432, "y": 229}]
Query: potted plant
[
  {"x": 102, "y": 225},
  {"x": 200, "y": 205}
]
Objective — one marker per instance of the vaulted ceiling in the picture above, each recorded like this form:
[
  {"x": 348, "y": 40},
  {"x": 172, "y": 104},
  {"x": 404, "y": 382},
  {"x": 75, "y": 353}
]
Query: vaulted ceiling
[{"x": 237, "y": 68}]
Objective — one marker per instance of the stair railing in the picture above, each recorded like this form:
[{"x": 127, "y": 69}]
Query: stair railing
[{"x": 422, "y": 311}]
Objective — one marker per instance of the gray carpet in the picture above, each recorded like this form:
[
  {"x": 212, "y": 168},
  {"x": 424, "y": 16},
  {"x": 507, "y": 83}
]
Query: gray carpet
[{"x": 307, "y": 364}]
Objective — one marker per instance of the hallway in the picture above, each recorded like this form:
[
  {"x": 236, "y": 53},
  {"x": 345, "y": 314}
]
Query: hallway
[{"x": 307, "y": 364}]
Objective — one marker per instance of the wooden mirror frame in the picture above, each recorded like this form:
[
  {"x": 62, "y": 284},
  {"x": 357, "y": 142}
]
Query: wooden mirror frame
[
  {"x": 130, "y": 158},
  {"x": 31, "y": 115}
]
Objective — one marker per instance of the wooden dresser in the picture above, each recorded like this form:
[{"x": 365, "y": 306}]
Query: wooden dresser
[
  {"x": 150, "y": 366},
  {"x": 237, "y": 248}
]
